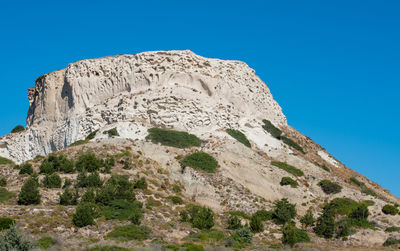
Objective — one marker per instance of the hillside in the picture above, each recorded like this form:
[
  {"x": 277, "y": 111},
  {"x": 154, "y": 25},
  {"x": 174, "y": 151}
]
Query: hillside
[{"x": 168, "y": 150}]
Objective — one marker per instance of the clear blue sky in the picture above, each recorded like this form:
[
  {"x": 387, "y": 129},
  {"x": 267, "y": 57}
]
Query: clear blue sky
[{"x": 333, "y": 66}]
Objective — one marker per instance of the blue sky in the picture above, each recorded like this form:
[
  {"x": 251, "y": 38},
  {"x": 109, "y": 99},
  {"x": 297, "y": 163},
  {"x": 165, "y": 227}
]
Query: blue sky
[{"x": 333, "y": 66}]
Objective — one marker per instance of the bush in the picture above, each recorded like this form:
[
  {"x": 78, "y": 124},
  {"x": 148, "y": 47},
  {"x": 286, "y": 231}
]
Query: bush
[
  {"x": 112, "y": 132},
  {"x": 67, "y": 183},
  {"x": 264, "y": 215},
  {"x": 360, "y": 212},
  {"x": 176, "y": 189},
  {"x": 344, "y": 228},
  {"x": 85, "y": 214},
  {"x": 308, "y": 219},
  {"x": 192, "y": 247},
  {"x": 285, "y": 181},
  {"x": 200, "y": 161},
  {"x": 199, "y": 217},
  {"x": 94, "y": 180},
  {"x": 292, "y": 144},
  {"x": 108, "y": 248},
  {"x": 368, "y": 191},
  {"x": 52, "y": 181},
  {"x": 293, "y": 235},
  {"x": 176, "y": 199},
  {"x": 283, "y": 211},
  {"x": 173, "y": 138},
  {"x": 130, "y": 232},
  {"x": 3, "y": 182},
  {"x": 243, "y": 235},
  {"x": 68, "y": 198},
  {"x": 391, "y": 241},
  {"x": 29, "y": 193},
  {"x": 234, "y": 222},
  {"x": 124, "y": 210},
  {"x": 5, "y": 161},
  {"x": 58, "y": 163},
  {"x": 325, "y": 168},
  {"x": 12, "y": 239},
  {"x": 288, "y": 168},
  {"x": 26, "y": 169},
  {"x": 356, "y": 182},
  {"x": 116, "y": 187},
  {"x": 6, "y": 223},
  {"x": 256, "y": 224},
  {"x": 325, "y": 226},
  {"x": 46, "y": 242},
  {"x": 5, "y": 194},
  {"x": 18, "y": 128},
  {"x": 271, "y": 129},
  {"x": 390, "y": 209},
  {"x": 140, "y": 184},
  {"x": 239, "y": 136},
  {"x": 89, "y": 162},
  {"x": 330, "y": 187},
  {"x": 239, "y": 214},
  {"x": 392, "y": 229},
  {"x": 341, "y": 206},
  {"x": 89, "y": 196},
  {"x": 91, "y": 135}
]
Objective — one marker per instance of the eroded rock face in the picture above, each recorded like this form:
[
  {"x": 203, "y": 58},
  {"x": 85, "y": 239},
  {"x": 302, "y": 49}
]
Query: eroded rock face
[{"x": 174, "y": 89}]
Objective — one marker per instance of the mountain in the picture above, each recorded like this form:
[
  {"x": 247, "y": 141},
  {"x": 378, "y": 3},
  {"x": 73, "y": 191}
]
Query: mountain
[{"x": 198, "y": 132}]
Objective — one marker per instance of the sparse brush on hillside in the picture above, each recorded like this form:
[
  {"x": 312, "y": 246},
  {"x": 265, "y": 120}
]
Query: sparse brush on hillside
[
  {"x": 271, "y": 129},
  {"x": 173, "y": 138},
  {"x": 285, "y": 181},
  {"x": 200, "y": 160},
  {"x": 330, "y": 187},
  {"x": 288, "y": 168},
  {"x": 239, "y": 136}
]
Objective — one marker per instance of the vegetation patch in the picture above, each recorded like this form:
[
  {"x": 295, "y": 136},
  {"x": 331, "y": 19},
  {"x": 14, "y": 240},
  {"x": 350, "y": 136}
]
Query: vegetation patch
[
  {"x": 271, "y": 129},
  {"x": 112, "y": 132},
  {"x": 392, "y": 229},
  {"x": 6, "y": 223},
  {"x": 283, "y": 211},
  {"x": 172, "y": 138},
  {"x": 123, "y": 210},
  {"x": 243, "y": 235},
  {"x": 287, "y": 181},
  {"x": 239, "y": 136},
  {"x": 264, "y": 215},
  {"x": 46, "y": 242},
  {"x": 293, "y": 235},
  {"x": 330, "y": 187},
  {"x": 200, "y": 161},
  {"x": 108, "y": 248},
  {"x": 85, "y": 214},
  {"x": 5, "y": 161},
  {"x": 5, "y": 194},
  {"x": 18, "y": 128},
  {"x": 130, "y": 232},
  {"x": 52, "y": 181},
  {"x": 211, "y": 235},
  {"x": 25, "y": 169},
  {"x": 176, "y": 199},
  {"x": 29, "y": 193},
  {"x": 292, "y": 144},
  {"x": 239, "y": 214},
  {"x": 390, "y": 209},
  {"x": 89, "y": 162},
  {"x": 199, "y": 217},
  {"x": 288, "y": 168},
  {"x": 12, "y": 239},
  {"x": 56, "y": 163},
  {"x": 3, "y": 182},
  {"x": 391, "y": 241}
]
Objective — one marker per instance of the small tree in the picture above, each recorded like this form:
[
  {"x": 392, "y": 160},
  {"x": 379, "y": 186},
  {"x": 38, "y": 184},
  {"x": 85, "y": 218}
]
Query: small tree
[
  {"x": 26, "y": 169},
  {"x": 325, "y": 226},
  {"x": 140, "y": 184},
  {"x": 18, "y": 128},
  {"x": 68, "y": 198},
  {"x": 330, "y": 187},
  {"x": 52, "y": 181},
  {"x": 390, "y": 209},
  {"x": 243, "y": 235},
  {"x": 85, "y": 214},
  {"x": 88, "y": 196},
  {"x": 3, "y": 182},
  {"x": 308, "y": 219},
  {"x": 29, "y": 193},
  {"x": 256, "y": 224},
  {"x": 94, "y": 180},
  {"x": 283, "y": 211},
  {"x": 234, "y": 222},
  {"x": 89, "y": 162},
  {"x": 293, "y": 235}
]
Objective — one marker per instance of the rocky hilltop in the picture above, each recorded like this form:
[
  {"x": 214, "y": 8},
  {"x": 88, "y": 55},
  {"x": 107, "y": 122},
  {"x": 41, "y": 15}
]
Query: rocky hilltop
[{"x": 115, "y": 115}]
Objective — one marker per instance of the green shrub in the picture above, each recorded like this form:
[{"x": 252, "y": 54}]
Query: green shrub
[
  {"x": 5, "y": 161},
  {"x": 108, "y": 248},
  {"x": 3, "y": 182},
  {"x": 130, "y": 232},
  {"x": 89, "y": 162},
  {"x": 356, "y": 182},
  {"x": 391, "y": 241},
  {"x": 192, "y": 247},
  {"x": 117, "y": 187},
  {"x": 18, "y": 128},
  {"x": 6, "y": 223},
  {"x": 58, "y": 163},
  {"x": 325, "y": 168},
  {"x": 89, "y": 196},
  {"x": 176, "y": 199},
  {"x": 368, "y": 191},
  {"x": 26, "y": 169},
  {"x": 68, "y": 198},
  {"x": 46, "y": 242},
  {"x": 112, "y": 132},
  {"x": 243, "y": 235},
  {"x": 308, "y": 219},
  {"x": 264, "y": 215},
  {"x": 292, "y": 144},
  {"x": 271, "y": 129},
  {"x": 239, "y": 214},
  {"x": 330, "y": 187},
  {"x": 108, "y": 164},
  {"x": 284, "y": 211},
  {"x": 210, "y": 236},
  {"x": 234, "y": 222},
  {"x": 123, "y": 210},
  {"x": 288, "y": 168},
  {"x": 140, "y": 184},
  {"x": 390, "y": 209},
  {"x": 360, "y": 212},
  {"x": 392, "y": 229},
  {"x": 325, "y": 226},
  {"x": 285, "y": 181},
  {"x": 78, "y": 142},
  {"x": 52, "y": 181},
  {"x": 5, "y": 194},
  {"x": 94, "y": 180},
  {"x": 341, "y": 206},
  {"x": 173, "y": 138},
  {"x": 67, "y": 183},
  {"x": 239, "y": 136},
  {"x": 199, "y": 217},
  {"x": 91, "y": 135},
  {"x": 176, "y": 189},
  {"x": 12, "y": 239},
  {"x": 29, "y": 193},
  {"x": 200, "y": 161},
  {"x": 256, "y": 224},
  {"x": 293, "y": 235},
  {"x": 85, "y": 214}
]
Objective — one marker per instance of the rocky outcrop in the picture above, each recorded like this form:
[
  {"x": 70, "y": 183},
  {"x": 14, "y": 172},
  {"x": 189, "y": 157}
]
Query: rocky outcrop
[{"x": 170, "y": 89}]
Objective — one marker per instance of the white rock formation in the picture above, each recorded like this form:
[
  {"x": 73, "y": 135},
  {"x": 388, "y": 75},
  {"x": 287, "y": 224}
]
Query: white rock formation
[{"x": 171, "y": 89}]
